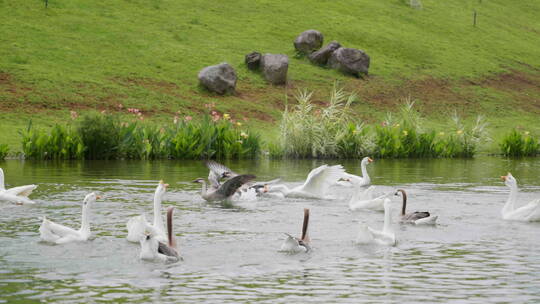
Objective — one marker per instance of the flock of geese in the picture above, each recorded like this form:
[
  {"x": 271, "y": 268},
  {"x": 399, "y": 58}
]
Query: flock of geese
[{"x": 158, "y": 242}]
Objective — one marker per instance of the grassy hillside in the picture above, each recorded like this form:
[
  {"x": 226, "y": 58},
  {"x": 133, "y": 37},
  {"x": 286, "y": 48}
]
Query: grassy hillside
[{"x": 94, "y": 55}]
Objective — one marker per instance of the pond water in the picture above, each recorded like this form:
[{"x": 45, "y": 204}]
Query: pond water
[{"x": 231, "y": 252}]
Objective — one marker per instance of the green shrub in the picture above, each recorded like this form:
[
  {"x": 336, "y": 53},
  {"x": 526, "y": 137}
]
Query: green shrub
[
  {"x": 101, "y": 135},
  {"x": 4, "y": 150},
  {"x": 354, "y": 141},
  {"x": 517, "y": 144}
]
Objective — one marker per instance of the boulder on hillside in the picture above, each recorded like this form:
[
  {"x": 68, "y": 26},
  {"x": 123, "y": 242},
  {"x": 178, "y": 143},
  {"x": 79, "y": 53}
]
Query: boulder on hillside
[
  {"x": 219, "y": 78},
  {"x": 350, "y": 61},
  {"x": 275, "y": 67},
  {"x": 308, "y": 41},
  {"x": 253, "y": 60},
  {"x": 321, "y": 56}
]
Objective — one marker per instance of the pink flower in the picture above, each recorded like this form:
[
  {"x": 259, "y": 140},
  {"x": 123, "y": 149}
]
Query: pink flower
[
  {"x": 74, "y": 115},
  {"x": 215, "y": 117},
  {"x": 188, "y": 118},
  {"x": 120, "y": 106}
]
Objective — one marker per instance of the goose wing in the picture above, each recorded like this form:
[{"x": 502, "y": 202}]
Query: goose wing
[
  {"x": 230, "y": 186},
  {"x": 166, "y": 250},
  {"x": 21, "y": 190},
  {"x": 320, "y": 179},
  {"x": 15, "y": 198},
  {"x": 56, "y": 229},
  {"x": 216, "y": 172},
  {"x": 411, "y": 217},
  {"x": 529, "y": 212}
]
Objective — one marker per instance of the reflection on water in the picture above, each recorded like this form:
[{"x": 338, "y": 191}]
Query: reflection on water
[{"x": 230, "y": 254}]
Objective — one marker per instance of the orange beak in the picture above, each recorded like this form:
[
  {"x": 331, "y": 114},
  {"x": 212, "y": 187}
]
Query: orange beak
[
  {"x": 165, "y": 186},
  {"x": 370, "y": 160},
  {"x": 503, "y": 177},
  {"x": 99, "y": 197}
]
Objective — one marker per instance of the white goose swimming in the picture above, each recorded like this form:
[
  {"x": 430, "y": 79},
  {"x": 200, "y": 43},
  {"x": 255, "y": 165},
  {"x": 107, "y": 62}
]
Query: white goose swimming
[
  {"x": 316, "y": 185},
  {"x": 137, "y": 225},
  {"x": 385, "y": 237},
  {"x": 154, "y": 250},
  {"x": 17, "y": 195},
  {"x": 365, "y": 200},
  {"x": 527, "y": 213},
  {"x": 417, "y": 217},
  {"x": 60, "y": 234},
  {"x": 296, "y": 245},
  {"x": 350, "y": 180}
]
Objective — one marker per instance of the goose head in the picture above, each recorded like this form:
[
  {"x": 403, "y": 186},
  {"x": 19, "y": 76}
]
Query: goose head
[
  {"x": 509, "y": 180},
  {"x": 401, "y": 192},
  {"x": 199, "y": 181},
  {"x": 149, "y": 246},
  {"x": 161, "y": 188},
  {"x": 226, "y": 174},
  {"x": 260, "y": 189},
  {"x": 366, "y": 160},
  {"x": 90, "y": 199}
]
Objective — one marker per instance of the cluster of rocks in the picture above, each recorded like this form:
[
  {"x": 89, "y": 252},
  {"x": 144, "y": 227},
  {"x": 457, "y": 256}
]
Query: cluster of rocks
[
  {"x": 274, "y": 67},
  {"x": 221, "y": 78},
  {"x": 347, "y": 60}
]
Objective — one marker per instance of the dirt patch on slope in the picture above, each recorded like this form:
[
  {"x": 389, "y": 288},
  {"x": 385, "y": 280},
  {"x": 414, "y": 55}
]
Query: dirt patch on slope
[{"x": 434, "y": 96}]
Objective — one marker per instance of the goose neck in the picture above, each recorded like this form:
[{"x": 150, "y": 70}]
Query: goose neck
[
  {"x": 158, "y": 221},
  {"x": 387, "y": 228},
  {"x": 510, "y": 202},
  {"x": 2, "y": 186}
]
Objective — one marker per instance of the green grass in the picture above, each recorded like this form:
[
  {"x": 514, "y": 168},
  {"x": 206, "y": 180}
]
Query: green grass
[{"x": 93, "y": 56}]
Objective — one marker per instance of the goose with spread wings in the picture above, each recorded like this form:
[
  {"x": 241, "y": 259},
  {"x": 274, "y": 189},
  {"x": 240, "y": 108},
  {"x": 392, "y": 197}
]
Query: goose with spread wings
[
  {"x": 223, "y": 191},
  {"x": 316, "y": 185}
]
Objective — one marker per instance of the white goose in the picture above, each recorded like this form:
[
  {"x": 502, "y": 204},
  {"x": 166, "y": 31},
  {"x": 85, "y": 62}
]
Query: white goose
[
  {"x": 137, "y": 225},
  {"x": 60, "y": 234},
  {"x": 18, "y": 195},
  {"x": 296, "y": 245},
  {"x": 154, "y": 250},
  {"x": 385, "y": 237},
  {"x": 316, "y": 185},
  {"x": 365, "y": 200},
  {"x": 350, "y": 180},
  {"x": 526, "y": 213}
]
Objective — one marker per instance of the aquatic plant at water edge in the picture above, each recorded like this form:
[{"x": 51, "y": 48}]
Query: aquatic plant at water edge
[
  {"x": 404, "y": 136},
  {"x": 60, "y": 143},
  {"x": 104, "y": 136},
  {"x": 4, "y": 150},
  {"x": 516, "y": 143}
]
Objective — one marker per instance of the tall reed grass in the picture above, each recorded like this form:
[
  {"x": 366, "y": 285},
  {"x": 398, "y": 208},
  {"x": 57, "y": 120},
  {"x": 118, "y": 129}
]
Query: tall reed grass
[
  {"x": 331, "y": 131},
  {"x": 323, "y": 132},
  {"x": 519, "y": 144},
  {"x": 4, "y": 150}
]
